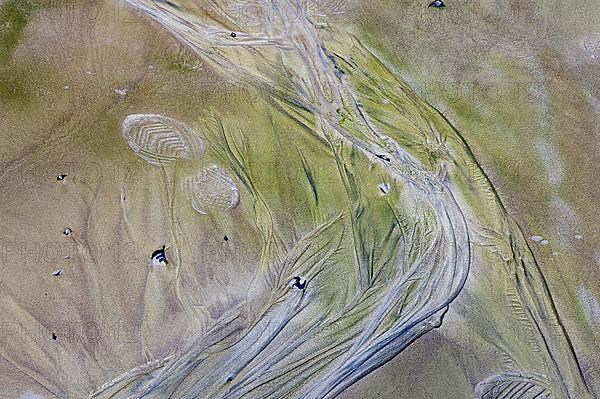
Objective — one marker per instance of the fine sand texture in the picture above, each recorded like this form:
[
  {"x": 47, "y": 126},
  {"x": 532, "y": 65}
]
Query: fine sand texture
[{"x": 313, "y": 199}]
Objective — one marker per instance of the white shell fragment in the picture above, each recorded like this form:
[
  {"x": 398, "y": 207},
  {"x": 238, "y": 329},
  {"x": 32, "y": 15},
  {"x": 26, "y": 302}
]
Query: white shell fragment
[
  {"x": 161, "y": 140},
  {"x": 159, "y": 258}
]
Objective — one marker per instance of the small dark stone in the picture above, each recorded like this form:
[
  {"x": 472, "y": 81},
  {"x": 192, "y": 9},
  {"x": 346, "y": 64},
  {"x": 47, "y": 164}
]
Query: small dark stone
[
  {"x": 226, "y": 238},
  {"x": 298, "y": 283},
  {"x": 170, "y": 3},
  {"x": 437, "y": 4},
  {"x": 61, "y": 177},
  {"x": 54, "y": 337}
]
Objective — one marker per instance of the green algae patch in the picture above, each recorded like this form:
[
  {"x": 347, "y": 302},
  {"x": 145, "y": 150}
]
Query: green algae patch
[
  {"x": 14, "y": 16},
  {"x": 184, "y": 63},
  {"x": 13, "y": 88}
]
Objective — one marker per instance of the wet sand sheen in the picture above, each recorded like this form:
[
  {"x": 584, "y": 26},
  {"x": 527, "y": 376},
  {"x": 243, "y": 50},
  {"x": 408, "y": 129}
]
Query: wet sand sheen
[{"x": 260, "y": 348}]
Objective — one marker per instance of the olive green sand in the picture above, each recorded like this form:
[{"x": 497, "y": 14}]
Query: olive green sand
[{"x": 327, "y": 231}]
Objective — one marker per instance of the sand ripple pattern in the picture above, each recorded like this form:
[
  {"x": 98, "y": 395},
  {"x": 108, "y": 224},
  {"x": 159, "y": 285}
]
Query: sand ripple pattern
[
  {"x": 160, "y": 140},
  {"x": 211, "y": 189},
  {"x": 514, "y": 385}
]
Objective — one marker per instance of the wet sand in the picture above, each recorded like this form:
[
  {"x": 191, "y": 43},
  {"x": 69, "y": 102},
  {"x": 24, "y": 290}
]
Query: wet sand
[{"x": 74, "y": 79}]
